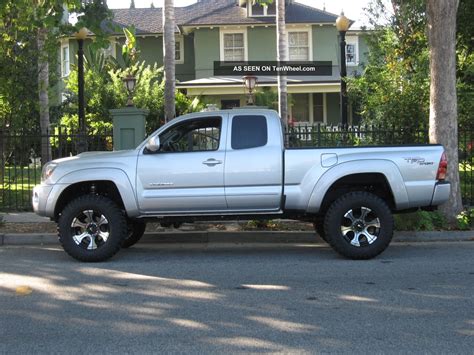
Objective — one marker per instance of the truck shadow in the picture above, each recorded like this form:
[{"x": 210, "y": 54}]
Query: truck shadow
[{"x": 214, "y": 299}]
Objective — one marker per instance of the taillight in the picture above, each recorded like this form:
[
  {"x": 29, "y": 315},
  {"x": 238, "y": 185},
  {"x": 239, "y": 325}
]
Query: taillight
[{"x": 442, "y": 168}]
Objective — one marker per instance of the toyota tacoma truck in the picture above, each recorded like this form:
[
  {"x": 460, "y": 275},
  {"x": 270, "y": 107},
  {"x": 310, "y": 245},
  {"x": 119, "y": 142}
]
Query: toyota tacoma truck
[{"x": 234, "y": 164}]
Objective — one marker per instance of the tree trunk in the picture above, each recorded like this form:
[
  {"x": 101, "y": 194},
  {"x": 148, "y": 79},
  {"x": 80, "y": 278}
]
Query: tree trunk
[
  {"x": 169, "y": 59},
  {"x": 43, "y": 86},
  {"x": 282, "y": 45},
  {"x": 443, "y": 99}
]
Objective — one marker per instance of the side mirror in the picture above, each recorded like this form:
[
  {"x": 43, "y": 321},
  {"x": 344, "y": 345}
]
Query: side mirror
[{"x": 153, "y": 144}]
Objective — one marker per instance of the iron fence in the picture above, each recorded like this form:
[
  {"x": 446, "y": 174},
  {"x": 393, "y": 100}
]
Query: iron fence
[
  {"x": 20, "y": 158},
  {"x": 20, "y": 152}
]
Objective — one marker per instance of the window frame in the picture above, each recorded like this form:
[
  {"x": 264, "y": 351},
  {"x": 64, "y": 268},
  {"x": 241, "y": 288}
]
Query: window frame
[
  {"x": 187, "y": 122},
  {"x": 265, "y": 10},
  {"x": 353, "y": 40},
  {"x": 310, "y": 42},
  {"x": 222, "y": 34},
  {"x": 65, "y": 45},
  {"x": 180, "y": 39}
]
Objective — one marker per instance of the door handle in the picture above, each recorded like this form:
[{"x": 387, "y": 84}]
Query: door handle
[{"x": 212, "y": 162}]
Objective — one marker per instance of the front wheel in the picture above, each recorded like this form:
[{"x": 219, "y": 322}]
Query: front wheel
[
  {"x": 318, "y": 225},
  {"x": 92, "y": 228},
  {"x": 359, "y": 225}
]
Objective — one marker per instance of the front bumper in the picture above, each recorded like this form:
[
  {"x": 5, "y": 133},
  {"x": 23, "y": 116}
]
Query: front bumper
[
  {"x": 40, "y": 199},
  {"x": 441, "y": 193}
]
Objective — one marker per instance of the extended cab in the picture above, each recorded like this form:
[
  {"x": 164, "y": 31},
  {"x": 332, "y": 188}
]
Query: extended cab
[{"x": 234, "y": 164}]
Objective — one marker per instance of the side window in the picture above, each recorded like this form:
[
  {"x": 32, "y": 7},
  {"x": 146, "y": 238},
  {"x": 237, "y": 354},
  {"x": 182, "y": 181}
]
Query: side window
[
  {"x": 192, "y": 136},
  {"x": 249, "y": 132}
]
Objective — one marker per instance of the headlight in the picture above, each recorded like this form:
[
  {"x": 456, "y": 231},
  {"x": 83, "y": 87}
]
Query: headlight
[{"x": 48, "y": 171}]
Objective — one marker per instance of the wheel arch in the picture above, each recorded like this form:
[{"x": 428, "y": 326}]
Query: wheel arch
[
  {"x": 380, "y": 177},
  {"x": 112, "y": 183}
]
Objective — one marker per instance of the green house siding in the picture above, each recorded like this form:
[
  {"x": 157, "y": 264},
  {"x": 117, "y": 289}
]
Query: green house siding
[
  {"x": 206, "y": 49},
  {"x": 186, "y": 71},
  {"x": 325, "y": 43},
  {"x": 262, "y": 43},
  {"x": 151, "y": 50},
  {"x": 332, "y": 104}
]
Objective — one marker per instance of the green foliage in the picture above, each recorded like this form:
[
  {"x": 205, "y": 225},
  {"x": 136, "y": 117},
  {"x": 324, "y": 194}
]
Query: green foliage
[
  {"x": 466, "y": 219},
  {"x": 105, "y": 90},
  {"x": 420, "y": 221},
  {"x": 394, "y": 87},
  {"x": 20, "y": 21},
  {"x": 267, "y": 97}
]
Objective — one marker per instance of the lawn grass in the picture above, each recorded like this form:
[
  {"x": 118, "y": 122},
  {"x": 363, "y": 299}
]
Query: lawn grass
[{"x": 16, "y": 186}]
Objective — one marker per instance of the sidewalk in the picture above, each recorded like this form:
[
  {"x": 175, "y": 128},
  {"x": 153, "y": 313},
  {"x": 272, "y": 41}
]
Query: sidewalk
[{"x": 192, "y": 234}]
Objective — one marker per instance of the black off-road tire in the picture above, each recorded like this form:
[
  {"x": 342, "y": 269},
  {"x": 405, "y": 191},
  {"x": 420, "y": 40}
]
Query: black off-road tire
[
  {"x": 101, "y": 206},
  {"x": 335, "y": 220},
  {"x": 318, "y": 225},
  {"x": 135, "y": 230}
]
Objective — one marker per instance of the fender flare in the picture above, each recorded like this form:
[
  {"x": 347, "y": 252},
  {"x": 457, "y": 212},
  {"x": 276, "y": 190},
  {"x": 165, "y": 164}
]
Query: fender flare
[
  {"x": 115, "y": 175},
  {"x": 362, "y": 166}
]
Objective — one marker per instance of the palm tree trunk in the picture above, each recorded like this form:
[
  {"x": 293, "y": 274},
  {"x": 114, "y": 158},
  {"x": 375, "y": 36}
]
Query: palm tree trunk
[
  {"x": 443, "y": 98},
  {"x": 282, "y": 45},
  {"x": 169, "y": 59},
  {"x": 43, "y": 85}
]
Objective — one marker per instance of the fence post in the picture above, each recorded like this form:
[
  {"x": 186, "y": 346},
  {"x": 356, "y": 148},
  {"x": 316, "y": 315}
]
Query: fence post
[{"x": 129, "y": 127}]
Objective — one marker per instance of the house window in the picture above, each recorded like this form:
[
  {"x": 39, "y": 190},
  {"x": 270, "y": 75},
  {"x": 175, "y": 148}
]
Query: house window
[
  {"x": 352, "y": 50},
  {"x": 263, "y": 10},
  {"x": 233, "y": 46},
  {"x": 179, "y": 50},
  {"x": 65, "y": 64},
  {"x": 299, "y": 45},
  {"x": 300, "y": 107},
  {"x": 229, "y": 104},
  {"x": 318, "y": 108}
]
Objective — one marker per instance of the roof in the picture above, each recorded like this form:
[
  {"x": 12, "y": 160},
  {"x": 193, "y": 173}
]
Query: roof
[
  {"x": 262, "y": 80},
  {"x": 213, "y": 12}
]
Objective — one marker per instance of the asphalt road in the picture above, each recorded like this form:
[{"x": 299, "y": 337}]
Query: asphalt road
[{"x": 274, "y": 298}]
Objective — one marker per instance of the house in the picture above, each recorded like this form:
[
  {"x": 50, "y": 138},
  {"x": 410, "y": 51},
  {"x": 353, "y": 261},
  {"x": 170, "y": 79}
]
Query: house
[{"x": 240, "y": 30}]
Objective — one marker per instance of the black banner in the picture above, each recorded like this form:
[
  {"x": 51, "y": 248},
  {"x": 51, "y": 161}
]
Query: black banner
[{"x": 262, "y": 68}]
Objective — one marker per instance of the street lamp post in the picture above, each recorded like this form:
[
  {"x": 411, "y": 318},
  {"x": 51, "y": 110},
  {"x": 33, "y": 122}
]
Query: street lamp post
[
  {"x": 342, "y": 25},
  {"x": 82, "y": 142},
  {"x": 130, "y": 81},
  {"x": 250, "y": 84}
]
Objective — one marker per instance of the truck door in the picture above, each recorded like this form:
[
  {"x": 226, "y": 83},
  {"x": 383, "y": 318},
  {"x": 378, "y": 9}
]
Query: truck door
[
  {"x": 254, "y": 163},
  {"x": 187, "y": 173}
]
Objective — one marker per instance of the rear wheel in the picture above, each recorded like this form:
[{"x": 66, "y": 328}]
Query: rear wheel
[
  {"x": 92, "y": 228},
  {"x": 135, "y": 231},
  {"x": 359, "y": 225}
]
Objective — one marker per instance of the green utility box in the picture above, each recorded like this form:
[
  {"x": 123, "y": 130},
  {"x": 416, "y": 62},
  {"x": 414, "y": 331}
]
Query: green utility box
[{"x": 129, "y": 127}]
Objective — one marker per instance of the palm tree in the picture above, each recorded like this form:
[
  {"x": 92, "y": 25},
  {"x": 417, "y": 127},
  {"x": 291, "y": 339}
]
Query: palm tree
[
  {"x": 282, "y": 56},
  {"x": 169, "y": 59}
]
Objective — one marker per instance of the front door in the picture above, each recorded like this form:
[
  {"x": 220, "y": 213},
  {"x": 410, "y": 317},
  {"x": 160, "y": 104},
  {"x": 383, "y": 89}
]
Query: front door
[{"x": 187, "y": 173}]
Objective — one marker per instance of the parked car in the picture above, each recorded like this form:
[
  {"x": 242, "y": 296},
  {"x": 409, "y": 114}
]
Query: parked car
[{"x": 234, "y": 164}]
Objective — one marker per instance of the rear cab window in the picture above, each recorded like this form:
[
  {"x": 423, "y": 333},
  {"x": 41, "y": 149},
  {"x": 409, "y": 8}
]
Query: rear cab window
[{"x": 249, "y": 131}]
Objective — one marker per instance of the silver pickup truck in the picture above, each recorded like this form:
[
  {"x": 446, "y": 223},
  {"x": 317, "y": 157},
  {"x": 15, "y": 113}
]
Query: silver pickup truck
[{"x": 233, "y": 164}]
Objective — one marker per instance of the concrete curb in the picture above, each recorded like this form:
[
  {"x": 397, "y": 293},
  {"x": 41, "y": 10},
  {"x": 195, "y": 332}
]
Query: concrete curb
[{"x": 265, "y": 237}]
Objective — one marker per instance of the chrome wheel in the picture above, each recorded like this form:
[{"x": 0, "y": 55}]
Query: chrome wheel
[
  {"x": 360, "y": 227},
  {"x": 90, "y": 229}
]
